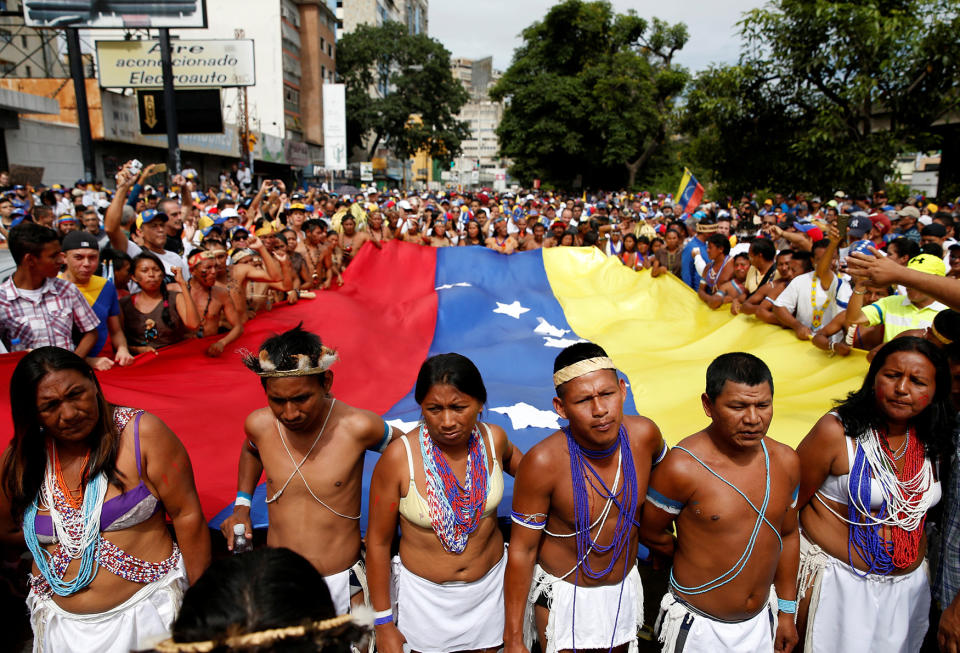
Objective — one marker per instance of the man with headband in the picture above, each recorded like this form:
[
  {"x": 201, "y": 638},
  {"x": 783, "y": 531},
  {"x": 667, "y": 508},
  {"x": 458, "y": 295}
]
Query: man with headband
[
  {"x": 571, "y": 580},
  {"x": 688, "y": 258},
  {"x": 311, "y": 447},
  {"x": 732, "y": 494},
  {"x": 212, "y": 301}
]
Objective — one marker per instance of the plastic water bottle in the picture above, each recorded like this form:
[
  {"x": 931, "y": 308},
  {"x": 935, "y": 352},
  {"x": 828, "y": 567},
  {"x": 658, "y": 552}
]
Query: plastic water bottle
[{"x": 240, "y": 542}]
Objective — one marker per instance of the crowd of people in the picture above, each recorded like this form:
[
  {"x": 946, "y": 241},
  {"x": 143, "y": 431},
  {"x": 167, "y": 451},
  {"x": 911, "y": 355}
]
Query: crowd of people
[{"x": 822, "y": 548}]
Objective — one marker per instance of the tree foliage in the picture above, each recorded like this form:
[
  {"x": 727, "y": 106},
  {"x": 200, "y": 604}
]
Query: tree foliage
[
  {"x": 392, "y": 76},
  {"x": 589, "y": 94},
  {"x": 827, "y": 93}
]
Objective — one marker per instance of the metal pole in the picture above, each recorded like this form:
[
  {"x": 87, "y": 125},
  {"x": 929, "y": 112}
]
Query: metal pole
[
  {"x": 169, "y": 104},
  {"x": 80, "y": 92}
]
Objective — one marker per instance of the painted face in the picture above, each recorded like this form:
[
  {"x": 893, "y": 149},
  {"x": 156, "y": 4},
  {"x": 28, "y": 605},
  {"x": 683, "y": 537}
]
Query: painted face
[
  {"x": 449, "y": 415},
  {"x": 905, "y": 385},
  {"x": 740, "y": 268},
  {"x": 593, "y": 403},
  {"x": 67, "y": 405},
  {"x": 206, "y": 272},
  {"x": 741, "y": 413}
]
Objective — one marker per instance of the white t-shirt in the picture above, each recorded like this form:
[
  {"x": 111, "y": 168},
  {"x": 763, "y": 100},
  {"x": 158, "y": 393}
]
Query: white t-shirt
[
  {"x": 168, "y": 258},
  {"x": 796, "y": 299}
]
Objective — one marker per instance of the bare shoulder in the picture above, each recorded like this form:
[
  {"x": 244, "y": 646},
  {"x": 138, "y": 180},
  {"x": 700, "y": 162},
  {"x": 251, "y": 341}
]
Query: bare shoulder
[
  {"x": 679, "y": 462},
  {"x": 359, "y": 421},
  {"x": 784, "y": 456},
  {"x": 393, "y": 458},
  {"x": 545, "y": 457},
  {"x": 643, "y": 431},
  {"x": 258, "y": 422},
  {"x": 500, "y": 439}
]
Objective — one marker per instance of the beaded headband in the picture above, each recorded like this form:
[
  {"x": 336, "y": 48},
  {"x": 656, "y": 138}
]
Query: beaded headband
[
  {"x": 258, "y": 638},
  {"x": 269, "y": 370},
  {"x": 580, "y": 368},
  {"x": 706, "y": 228}
]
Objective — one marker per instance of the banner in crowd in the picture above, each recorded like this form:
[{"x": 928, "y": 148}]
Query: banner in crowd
[{"x": 511, "y": 315}]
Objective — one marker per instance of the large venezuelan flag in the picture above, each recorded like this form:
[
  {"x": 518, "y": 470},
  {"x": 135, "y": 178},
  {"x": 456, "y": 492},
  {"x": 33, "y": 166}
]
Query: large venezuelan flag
[{"x": 511, "y": 315}]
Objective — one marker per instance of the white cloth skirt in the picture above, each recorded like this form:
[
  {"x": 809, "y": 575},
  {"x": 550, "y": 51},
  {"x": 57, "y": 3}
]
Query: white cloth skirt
[
  {"x": 138, "y": 623},
  {"x": 603, "y": 613},
  {"x": 682, "y": 628},
  {"x": 437, "y": 618},
  {"x": 340, "y": 590},
  {"x": 856, "y": 614}
]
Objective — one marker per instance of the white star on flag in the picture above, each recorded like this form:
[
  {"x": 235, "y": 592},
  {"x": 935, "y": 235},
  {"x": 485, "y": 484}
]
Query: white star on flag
[
  {"x": 523, "y": 415},
  {"x": 448, "y": 286},
  {"x": 514, "y": 310},
  {"x": 547, "y": 329}
]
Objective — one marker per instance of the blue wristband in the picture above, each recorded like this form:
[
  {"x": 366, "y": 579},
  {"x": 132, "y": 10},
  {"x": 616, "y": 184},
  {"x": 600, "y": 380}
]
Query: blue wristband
[
  {"x": 386, "y": 619},
  {"x": 790, "y": 607},
  {"x": 243, "y": 499}
]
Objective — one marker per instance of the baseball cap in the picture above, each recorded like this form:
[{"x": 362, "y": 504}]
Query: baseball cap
[
  {"x": 79, "y": 240},
  {"x": 66, "y": 217},
  {"x": 934, "y": 229},
  {"x": 929, "y": 264},
  {"x": 925, "y": 220},
  {"x": 229, "y": 213},
  {"x": 149, "y": 216},
  {"x": 405, "y": 205},
  {"x": 297, "y": 206},
  {"x": 859, "y": 226},
  {"x": 881, "y": 223},
  {"x": 909, "y": 212}
]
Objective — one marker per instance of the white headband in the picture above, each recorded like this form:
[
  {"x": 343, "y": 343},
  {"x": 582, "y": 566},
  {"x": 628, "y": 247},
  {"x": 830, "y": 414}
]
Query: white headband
[{"x": 580, "y": 368}]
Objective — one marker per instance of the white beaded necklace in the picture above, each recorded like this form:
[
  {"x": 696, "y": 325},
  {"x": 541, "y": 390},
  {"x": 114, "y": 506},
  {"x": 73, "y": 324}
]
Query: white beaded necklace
[{"x": 76, "y": 529}]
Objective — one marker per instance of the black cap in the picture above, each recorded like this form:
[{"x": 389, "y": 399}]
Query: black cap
[
  {"x": 934, "y": 229},
  {"x": 79, "y": 240}
]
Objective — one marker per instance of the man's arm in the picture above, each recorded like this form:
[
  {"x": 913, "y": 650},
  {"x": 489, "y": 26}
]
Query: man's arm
[
  {"x": 249, "y": 470},
  {"x": 668, "y": 492},
  {"x": 532, "y": 489},
  {"x": 111, "y": 219},
  {"x": 385, "y": 489},
  {"x": 787, "y": 319},
  {"x": 785, "y": 578},
  {"x": 233, "y": 318},
  {"x": 883, "y": 271}
]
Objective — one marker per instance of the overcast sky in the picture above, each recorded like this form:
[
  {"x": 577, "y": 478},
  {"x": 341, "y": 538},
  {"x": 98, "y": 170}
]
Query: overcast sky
[{"x": 492, "y": 27}]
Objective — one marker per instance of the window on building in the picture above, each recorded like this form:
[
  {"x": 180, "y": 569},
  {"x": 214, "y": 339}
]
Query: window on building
[
  {"x": 330, "y": 50},
  {"x": 323, "y": 72},
  {"x": 5, "y": 36},
  {"x": 323, "y": 43},
  {"x": 291, "y": 99},
  {"x": 29, "y": 71},
  {"x": 23, "y": 40},
  {"x": 6, "y": 67}
]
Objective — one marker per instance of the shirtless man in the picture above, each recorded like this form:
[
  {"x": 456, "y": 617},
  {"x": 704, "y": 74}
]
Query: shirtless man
[
  {"x": 313, "y": 249},
  {"x": 352, "y": 240},
  {"x": 536, "y": 240},
  {"x": 611, "y": 451},
  {"x": 714, "y": 486},
  {"x": 212, "y": 301},
  {"x": 311, "y": 447},
  {"x": 276, "y": 269},
  {"x": 378, "y": 229},
  {"x": 500, "y": 241}
]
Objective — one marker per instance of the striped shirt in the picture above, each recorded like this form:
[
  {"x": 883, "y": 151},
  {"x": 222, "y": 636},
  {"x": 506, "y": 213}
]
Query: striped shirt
[
  {"x": 898, "y": 314},
  {"x": 43, "y": 317}
]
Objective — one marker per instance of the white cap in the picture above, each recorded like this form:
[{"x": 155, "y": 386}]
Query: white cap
[
  {"x": 229, "y": 212},
  {"x": 925, "y": 220},
  {"x": 239, "y": 529},
  {"x": 405, "y": 205}
]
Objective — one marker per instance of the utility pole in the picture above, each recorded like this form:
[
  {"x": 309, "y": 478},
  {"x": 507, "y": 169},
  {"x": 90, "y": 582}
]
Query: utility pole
[
  {"x": 169, "y": 104},
  {"x": 80, "y": 93}
]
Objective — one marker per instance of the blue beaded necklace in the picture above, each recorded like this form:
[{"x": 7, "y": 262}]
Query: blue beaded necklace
[{"x": 583, "y": 473}]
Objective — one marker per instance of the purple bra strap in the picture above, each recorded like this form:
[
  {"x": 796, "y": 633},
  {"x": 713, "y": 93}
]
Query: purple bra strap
[{"x": 136, "y": 441}]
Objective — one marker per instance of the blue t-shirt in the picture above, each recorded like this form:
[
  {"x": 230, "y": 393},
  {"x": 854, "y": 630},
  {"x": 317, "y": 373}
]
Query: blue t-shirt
[{"x": 688, "y": 271}]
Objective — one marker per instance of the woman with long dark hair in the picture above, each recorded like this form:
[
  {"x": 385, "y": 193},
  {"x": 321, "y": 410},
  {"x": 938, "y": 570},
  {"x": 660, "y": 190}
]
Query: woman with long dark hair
[
  {"x": 868, "y": 479},
  {"x": 89, "y": 483},
  {"x": 449, "y": 572},
  {"x": 156, "y": 317}
]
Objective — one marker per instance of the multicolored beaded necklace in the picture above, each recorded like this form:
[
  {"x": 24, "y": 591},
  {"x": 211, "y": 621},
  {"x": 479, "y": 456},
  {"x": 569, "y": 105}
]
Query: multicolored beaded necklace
[{"x": 455, "y": 508}]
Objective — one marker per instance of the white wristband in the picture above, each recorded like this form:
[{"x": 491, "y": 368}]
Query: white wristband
[{"x": 241, "y": 501}]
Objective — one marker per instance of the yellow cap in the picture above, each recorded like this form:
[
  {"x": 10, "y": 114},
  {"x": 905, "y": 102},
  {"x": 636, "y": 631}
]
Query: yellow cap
[
  {"x": 929, "y": 264},
  {"x": 204, "y": 222},
  {"x": 933, "y": 208},
  {"x": 266, "y": 230}
]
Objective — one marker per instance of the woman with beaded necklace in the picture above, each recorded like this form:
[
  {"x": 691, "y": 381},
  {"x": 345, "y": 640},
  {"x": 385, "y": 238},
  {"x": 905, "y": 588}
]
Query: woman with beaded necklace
[
  {"x": 89, "y": 483},
  {"x": 449, "y": 573},
  {"x": 868, "y": 480}
]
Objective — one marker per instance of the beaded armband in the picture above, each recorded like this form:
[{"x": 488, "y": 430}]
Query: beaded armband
[{"x": 537, "y": 521}]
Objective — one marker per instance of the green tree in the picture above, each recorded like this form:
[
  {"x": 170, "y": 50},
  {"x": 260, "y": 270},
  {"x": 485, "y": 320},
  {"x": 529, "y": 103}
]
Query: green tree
[
  {"x": 589, "y": 95},
  {"x": 854, "y": 83},
  {"x": 400, "y": 92}
]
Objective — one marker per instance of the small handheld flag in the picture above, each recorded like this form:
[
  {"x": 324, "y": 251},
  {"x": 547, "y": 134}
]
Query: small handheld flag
[{"x": 689, "y": 194}]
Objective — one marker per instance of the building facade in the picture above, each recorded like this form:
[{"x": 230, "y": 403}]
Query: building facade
[{"x": 479, "y": 164}]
